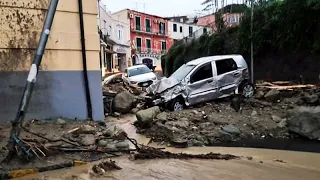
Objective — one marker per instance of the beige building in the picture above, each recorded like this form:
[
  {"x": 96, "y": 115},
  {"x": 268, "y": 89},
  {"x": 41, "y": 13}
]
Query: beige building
[
  {"x": 59, "y": 90},
  {"x": 115, "y": 42}
]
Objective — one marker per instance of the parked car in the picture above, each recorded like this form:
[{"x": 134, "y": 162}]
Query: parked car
[
  {"x": 140, "y": 75},
  {"x": 203, "y": 79}
]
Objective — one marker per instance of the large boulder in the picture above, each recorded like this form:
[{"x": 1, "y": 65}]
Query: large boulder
[
  {"x": 123, "y": 102},
  {"x": 273, "y": 95},
  {"x": 115, "y": 132},
  {"x": 306, "y": 123},
  {"x": 145, "y": 117}
]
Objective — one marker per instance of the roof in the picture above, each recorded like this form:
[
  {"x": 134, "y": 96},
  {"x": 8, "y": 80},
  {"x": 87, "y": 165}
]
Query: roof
[
  {"x": 141, "y": 13},
  {"x": 137, "y": 66},
  {"x": 213, "y": 58}
]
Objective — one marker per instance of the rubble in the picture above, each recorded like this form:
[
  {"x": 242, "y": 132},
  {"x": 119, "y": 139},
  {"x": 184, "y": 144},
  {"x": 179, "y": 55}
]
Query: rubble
[
  {"x": 270, "y": 114},
  {"x": 123, "y": 102},
  {"x": 145, "y": 117}
]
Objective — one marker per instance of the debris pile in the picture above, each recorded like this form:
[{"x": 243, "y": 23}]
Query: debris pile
[
  {"x": 105, "y": 166},
  {"x": 59, "y": 140},
  {"x": 270, "y": 114},
  {"x": 121, "y": 97}
]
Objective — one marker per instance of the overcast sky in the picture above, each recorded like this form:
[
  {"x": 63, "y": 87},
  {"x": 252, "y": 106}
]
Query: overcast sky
[{"x": 161, "y": 7}]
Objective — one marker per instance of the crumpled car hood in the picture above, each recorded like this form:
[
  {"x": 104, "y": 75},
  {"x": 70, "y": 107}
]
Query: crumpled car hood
[{"x": 162, "y": 85}]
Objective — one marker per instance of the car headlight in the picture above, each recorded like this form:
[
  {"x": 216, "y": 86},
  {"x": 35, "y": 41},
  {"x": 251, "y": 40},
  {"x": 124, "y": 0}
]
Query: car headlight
[{"x": 133, "y": 82}]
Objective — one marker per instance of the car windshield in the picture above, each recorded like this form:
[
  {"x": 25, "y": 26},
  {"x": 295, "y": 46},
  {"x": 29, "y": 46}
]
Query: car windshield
[
  {"x": 182, "y": 72},
  {"x": 137, "y": 71}
]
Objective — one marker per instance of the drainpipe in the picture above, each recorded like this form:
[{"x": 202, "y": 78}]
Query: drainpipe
[{"x": 84, "y": 62}]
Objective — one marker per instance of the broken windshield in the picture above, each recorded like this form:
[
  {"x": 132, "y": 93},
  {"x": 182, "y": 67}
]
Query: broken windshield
[{"x": 182, "y": 72}]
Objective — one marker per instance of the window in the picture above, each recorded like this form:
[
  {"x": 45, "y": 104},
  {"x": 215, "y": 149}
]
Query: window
[
  {"x": 148, "y": 25},
  {"x": 181, "y": 29},
  {"x": 226, "y": 65},
  {"x": 138, "y": 42},
  {"x": 190, "y": 31},
  {"x": 205, "y": 30},
  {"x": 204, "y": 72},
  {"x": 148, "y": 44},
  {"x": 138, "y": 25},
  {"x": 119, "y": 34},
  {"x": 163, "y": 46},
  {"x": 162, "y": 28},
  {"x": 174, "y": 27},
  {"x": 232, "y": 19}
]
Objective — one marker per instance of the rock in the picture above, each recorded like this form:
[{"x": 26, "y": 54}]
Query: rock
[
  {"x": 205, "y": 125},
  {"x": 116, "y": 114},
  {"x": 123, "y": 101},
  {"x": 282, "y": 123},
  {"x": 259, "y": 95},
  {"x": 224, "y": 136},
  {"x": 86, "y": 129},
  {"x": 231, "y": 129},
  {"x": 195, "y": 112},
  {"x": 61, "y": 121},
  {"x": 217, "y": 120},
  {"x": 273, "y": 95},
  {"x": 195, "y": 142},
  {"x": 306, "y": 124},
  {"x": 122, "y": 145},
  {"x": 181, "y": 123},
  {"x": 134, "y": 110},
  {"x": 312, "y": 99},
  {"x": 276, "y": 118},
  {"x": 254, "y": 113},
  {"x": 249, "y": 158},
  {"x": 103, "y": 143},
  {"x": 162, "y": 116},
  {"x": 87, "y": 139},
  {"x": 115, "y": 132},
  {"x": 145, "y": 117}
]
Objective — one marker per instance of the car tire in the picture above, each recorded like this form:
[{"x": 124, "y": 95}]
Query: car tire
[
  {"x": 246, "y": 90},
  {"x": 175, "y": 105}
]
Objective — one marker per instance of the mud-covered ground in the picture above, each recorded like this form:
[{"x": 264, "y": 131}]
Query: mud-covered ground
[
  {"x": 63, "y": 134},
  {"x": 261, "y": 117}
]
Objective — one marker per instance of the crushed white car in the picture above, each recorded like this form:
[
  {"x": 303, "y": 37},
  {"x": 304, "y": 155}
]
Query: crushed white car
[
  {"x": 201, "y": 80},
  {"x": 140, "y": 75}
]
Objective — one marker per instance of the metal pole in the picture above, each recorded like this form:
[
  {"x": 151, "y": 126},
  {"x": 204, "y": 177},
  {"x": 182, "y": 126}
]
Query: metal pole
[
  {"x": 252, "y": 73},
  {"x": 32, "y": 77}
]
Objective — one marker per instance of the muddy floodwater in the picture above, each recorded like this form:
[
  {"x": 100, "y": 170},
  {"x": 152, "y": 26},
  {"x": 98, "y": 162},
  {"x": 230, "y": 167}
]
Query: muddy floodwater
[{"x": 264, "y": 164}]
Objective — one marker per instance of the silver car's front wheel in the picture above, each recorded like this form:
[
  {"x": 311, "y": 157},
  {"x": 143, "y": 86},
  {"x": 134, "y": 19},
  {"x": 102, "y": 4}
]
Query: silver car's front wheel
[
  {"x": 175, "y": 105},
  {"x": 247, "y": 90}
]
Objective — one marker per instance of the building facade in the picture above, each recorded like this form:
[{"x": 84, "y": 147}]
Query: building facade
[
  {"x": 148, "y": 36},
  {"x": 115, "y": 42},
  {"x": 178, "y": 31},
  {"x": 60, "y": 86},
  {"x": 230, "y": 19}
]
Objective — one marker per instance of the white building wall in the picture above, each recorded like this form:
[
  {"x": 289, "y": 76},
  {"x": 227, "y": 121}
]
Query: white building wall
[{"x": 185, "y": 30}]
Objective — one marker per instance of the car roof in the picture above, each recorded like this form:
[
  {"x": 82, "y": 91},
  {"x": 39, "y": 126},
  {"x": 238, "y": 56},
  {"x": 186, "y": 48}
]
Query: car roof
[
  {"x": 201, "y": 60},
  {"x": 136, "y": 66}
]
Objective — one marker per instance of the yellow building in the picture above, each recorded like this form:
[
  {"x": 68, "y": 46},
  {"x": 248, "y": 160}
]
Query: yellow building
[{"x": 60, "y": 89}]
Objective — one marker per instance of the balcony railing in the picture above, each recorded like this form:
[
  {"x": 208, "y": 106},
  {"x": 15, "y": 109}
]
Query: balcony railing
[
  {"x": 149, "y": 30},
  {"x": 150, "y": 50}
]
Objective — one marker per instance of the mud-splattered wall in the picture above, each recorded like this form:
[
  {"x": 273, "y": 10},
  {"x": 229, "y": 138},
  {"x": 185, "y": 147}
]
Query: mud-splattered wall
[{"x": 60, "y": 89}]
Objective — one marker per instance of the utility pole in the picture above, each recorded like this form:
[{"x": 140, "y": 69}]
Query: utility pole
[{"x": 252, "y": 74}]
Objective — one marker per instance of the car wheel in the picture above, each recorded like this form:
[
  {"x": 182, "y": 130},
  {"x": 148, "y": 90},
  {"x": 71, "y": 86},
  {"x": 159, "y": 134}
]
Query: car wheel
[
  {"x": 247, "y": 90},
  {"x": 175, "y": 105}
]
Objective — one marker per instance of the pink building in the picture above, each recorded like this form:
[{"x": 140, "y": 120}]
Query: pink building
[{"x": 230, "y": 19}]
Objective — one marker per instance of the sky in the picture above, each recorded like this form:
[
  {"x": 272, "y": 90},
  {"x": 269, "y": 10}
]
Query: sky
[{"x": 164, "y": 8}]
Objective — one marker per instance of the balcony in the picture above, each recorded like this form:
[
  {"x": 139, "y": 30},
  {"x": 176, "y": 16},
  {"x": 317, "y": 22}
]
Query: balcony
[
  {"x": 150, "y": 50},
  {"x": 149, "y": 30}
]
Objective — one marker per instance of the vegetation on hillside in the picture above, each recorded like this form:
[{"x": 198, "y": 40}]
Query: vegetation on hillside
[{"x": 279, "y": 26}]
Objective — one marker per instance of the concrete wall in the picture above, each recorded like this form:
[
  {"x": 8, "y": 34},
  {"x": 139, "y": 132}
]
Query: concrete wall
[
  {"x": 185, "y": 29},
  {"x": 59, "y": 90}
]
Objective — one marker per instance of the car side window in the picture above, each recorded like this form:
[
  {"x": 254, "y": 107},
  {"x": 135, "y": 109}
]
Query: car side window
[
  {"x": 204, "y": 72},
  {"x": 225, "y": 66}
]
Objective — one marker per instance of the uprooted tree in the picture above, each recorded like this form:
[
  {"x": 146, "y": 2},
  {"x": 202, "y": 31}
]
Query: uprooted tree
[{"x": 285, "y": 36}]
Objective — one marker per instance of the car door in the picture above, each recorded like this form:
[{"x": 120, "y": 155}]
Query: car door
[
  {"x": 202, "y": 85},
  {"x": 228, "y": 76}
]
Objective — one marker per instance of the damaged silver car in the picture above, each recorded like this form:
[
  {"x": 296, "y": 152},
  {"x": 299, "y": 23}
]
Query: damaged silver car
[{"x": 201, "y": 80}]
